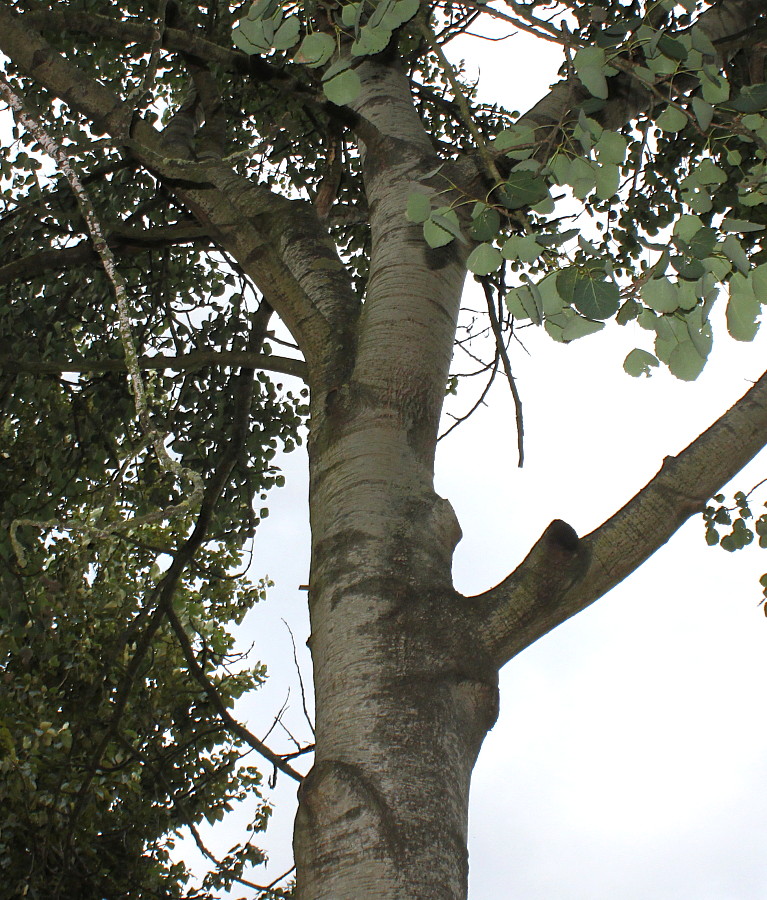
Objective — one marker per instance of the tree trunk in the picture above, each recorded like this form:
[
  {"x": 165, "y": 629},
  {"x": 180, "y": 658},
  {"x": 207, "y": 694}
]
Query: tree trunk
[
  {"x": 404, "y": 697},
  {"x": 404, "y": 692}
]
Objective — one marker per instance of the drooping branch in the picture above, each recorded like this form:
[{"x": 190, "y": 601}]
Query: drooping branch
[
  {"x": 106, "y": 257},
  {"x": 563, "y": 574},
  {"x": 159, "y": 605},
  {"x": 187, "y": 362}
]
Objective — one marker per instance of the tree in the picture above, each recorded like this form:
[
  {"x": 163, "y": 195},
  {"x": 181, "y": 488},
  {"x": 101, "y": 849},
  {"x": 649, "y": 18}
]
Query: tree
[{"x": 329, "y": 159}]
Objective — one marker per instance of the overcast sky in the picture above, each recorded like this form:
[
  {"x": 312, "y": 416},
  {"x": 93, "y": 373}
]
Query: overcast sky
[{"x": 629, "y": 761}]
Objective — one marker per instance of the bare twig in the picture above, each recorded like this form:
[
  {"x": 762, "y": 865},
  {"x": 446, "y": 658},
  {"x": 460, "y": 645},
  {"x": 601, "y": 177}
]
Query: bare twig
[
  {"x": 300, "y": 678},
  {"x": 488, "y": 289}
]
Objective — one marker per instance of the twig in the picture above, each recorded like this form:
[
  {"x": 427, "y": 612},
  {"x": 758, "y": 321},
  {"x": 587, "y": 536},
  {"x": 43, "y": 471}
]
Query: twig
[
  {"x": 300, "y": 678},
  {"x": 480, "y": 401},
  {"x": 487, "y": 288}
]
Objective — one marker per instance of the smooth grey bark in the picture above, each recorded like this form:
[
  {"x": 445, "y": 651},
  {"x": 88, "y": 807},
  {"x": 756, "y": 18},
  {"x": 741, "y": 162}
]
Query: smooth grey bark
[{"x": 405, "y": 667}]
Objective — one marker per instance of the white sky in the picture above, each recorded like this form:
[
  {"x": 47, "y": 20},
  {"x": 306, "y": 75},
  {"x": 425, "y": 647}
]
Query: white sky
[{"x": 630, "y": 757}]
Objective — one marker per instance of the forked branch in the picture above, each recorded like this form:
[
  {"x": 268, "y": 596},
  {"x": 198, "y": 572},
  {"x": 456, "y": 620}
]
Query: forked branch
[{"x": 563, "y": 574}]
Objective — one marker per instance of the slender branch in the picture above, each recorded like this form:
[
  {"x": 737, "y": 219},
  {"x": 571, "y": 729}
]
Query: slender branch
[
  {"x": 121, "y": 240},
  {"x": 197, "y": 672},
  {"x": 459, "y": 420},
  {"x": 197, "y": 359},
  {"x": 534, "y": 26},
  {"x": 468, "y": 118}
]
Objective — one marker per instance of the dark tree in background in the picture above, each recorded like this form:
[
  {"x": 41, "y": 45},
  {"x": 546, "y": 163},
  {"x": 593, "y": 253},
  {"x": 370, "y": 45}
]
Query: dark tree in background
[{"x": 178, "y": 179}]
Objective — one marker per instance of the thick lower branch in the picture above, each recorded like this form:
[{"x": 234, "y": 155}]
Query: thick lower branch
[{"x": 563, "y": 574}]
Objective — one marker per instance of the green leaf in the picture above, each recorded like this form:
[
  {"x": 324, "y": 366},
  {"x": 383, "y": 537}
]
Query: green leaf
[
  {"x": 344, "y": 88},
  {"x": 418, "y": 207},
  {"x": 702, "y": 242},
  {"x": 685, "y": 362},
  {"x": 707, "y": 172},
  {"x": 688, "y": 267},
  {"x": 671, "y": 48},
  {"x": 404, "y": 10},
  {"x": 566, "y": 280},
  {"x": 671, "y": 120},
  {"x": 628, "y": 312},
  {"x": 287, "y": 34},
  {"x": 735, "y": 253},
  {"x": 712, "y": 538},
  {"x": 523, "y": 188},
  {"x": 522, "y": 247},
  {"x": 441, "y": 227},
  {"x": 516, "y": 137},
  {"x": 742, "y": 309},
  {"x": 702, "y": 42},
  {"x": 371, "y": 40},
  {"x": 582, "y": 177},
  {"x": 704, "y": 112},
  {"x": 316, "y": 49},
  {"x": 607, "y": 180},
  {"x": 640, "y": 362},
  {"x": 485, "y": 222},
  {"x": 249, "y": 37},
  {"x": 687, "y": 226},
  {"x": 558, "y": 238},
  {"x": 661, "y": 295},
  {"x": 484, "y": 260},
  {"x": 695, "y": 195},
  {"x": 262, "y": 9},
  {"x": 758, "y": 278},
  {"x": 751, "y": 98},
  {"x": 350, "y": 14},
  {"x": 578, "y": 327},
  {"x": 335, "y": 68},
  {"x": 560, "y": 167},
  {"x": 380, "y": 9},
  {"x": 551, "y": 300},
  {"x": 661, "y": 66},
  {"x": 522, "y": 304},
  {"x": 596, "y": 299},
  {"x": 611, "y": 148},
  {"x": 590, "y": 65},
  {"x": 740, "y": 226},
  {"x": 715, "y": 88},
  {"x": 720, "y": 268}
]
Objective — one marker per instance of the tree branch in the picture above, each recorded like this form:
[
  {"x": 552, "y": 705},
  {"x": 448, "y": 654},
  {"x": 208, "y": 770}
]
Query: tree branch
[
  {"x": 563, "y": 574},
  {"x": 197, "y": 359},
  {"x": 127, "y": 241},
  {"x": 299, "y": 274},
  {"x": 628, "y": 97}
]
